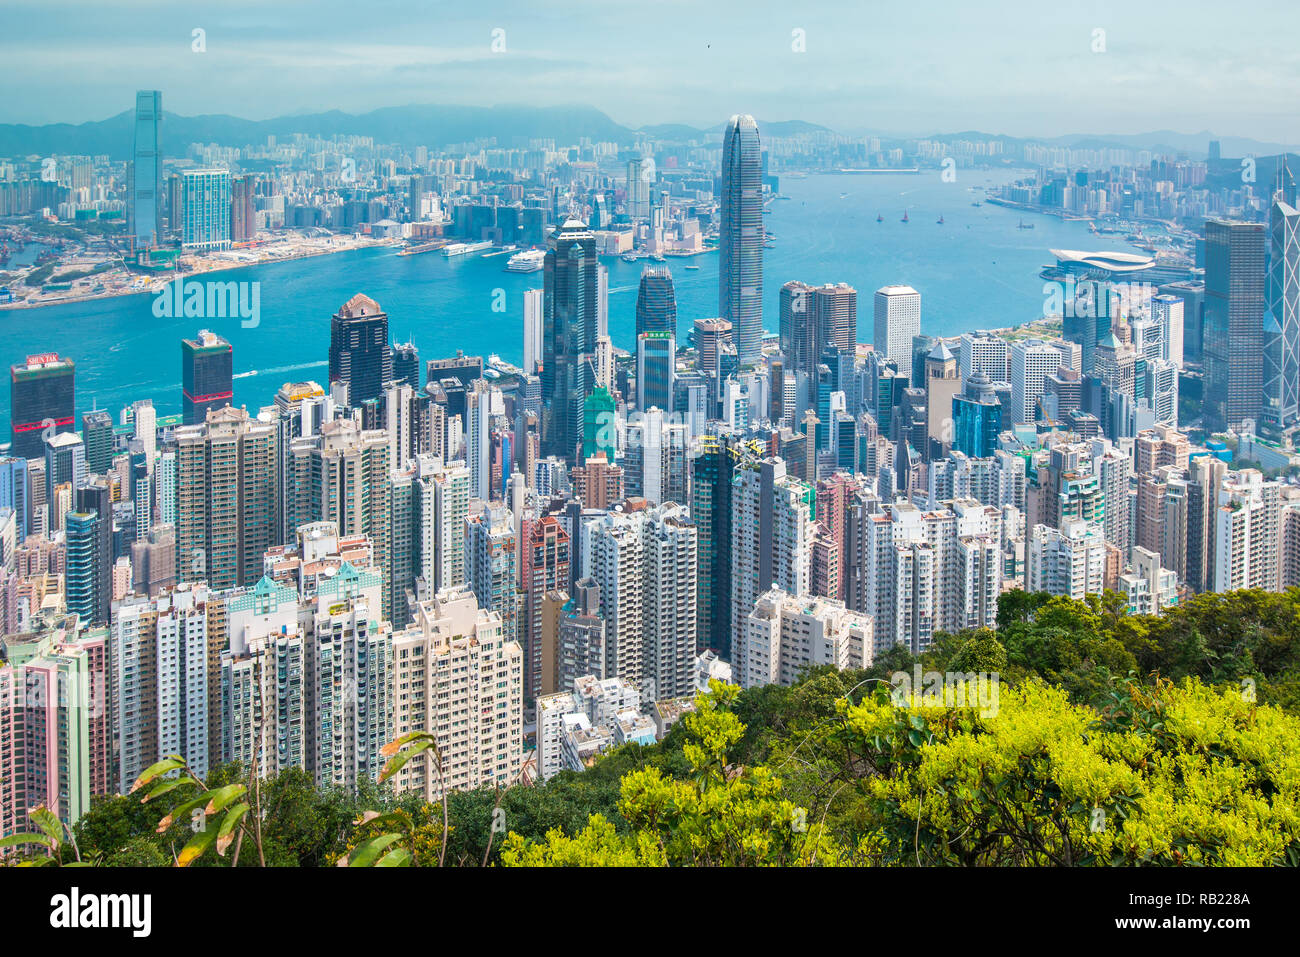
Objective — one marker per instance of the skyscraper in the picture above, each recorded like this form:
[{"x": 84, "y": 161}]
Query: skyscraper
[
  {"x": 206, "y": 198},
  {"x": 1282, "y": 317},
  {"x": 97, "y": 434},
  {"x": 532, "y": 330},
  {"x": 207, "y": 376},
  {"x": 1234, "y": 321},
  {"x": 89, "y": 529},
  {"x": 406, "y": 364},
  {"x": 568, "y": 336},
  {"x": 656, "y": 360},
  {"x": 656, "y": 303},
  {"x": 144, "y": 207},
  {"x": 41, "y": 398},
  {"x": 741, "y": 235},
  {"x": 897, "y": 320},
  {"x": 225, "y": 498},
  {"x": 360, "y": 355}
]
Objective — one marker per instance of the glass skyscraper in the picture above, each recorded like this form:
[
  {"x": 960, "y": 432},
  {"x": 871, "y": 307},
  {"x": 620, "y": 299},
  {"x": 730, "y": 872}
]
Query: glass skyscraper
[
  {"x": 741, "y": 235},
  {"x": 1234, "y": 321},
  {"x": 145, "y": 202},
  {"x": 360, "y": 355},
  {"x": 656, "y": 302},
  {"x": 206, "y": 200},
  {"x": 569, "y": 327}
]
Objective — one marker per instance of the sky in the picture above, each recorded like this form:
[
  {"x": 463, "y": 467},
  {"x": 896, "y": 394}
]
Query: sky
[{"x": 1018, "y": 67}]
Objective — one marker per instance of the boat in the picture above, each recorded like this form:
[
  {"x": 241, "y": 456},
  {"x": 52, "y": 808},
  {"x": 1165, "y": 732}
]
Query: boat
[
  {"x": 904, "y": 219},
  {"x": 530, "y": 260},
  {"x": 691, "y": 266},
  {"x": 977, "y": 203},
  {"x": 417, "y": 248},
  {"x": 1024, "y": 225},
  {"x": 879, "y": 218},
  {"x": 629, "y": 257},
  {"x": 657, "y": 257},
  {"x": 940, "y": 220},
  {"x": 464, "y": 249}
]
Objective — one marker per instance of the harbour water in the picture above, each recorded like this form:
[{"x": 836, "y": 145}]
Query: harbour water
[{"x": 976, "y": 270}]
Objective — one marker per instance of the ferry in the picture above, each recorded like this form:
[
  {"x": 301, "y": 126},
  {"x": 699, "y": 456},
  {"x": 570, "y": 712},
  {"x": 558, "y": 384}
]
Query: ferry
[
  {"x": 464, "y": 249},
  {"x": 429, "y": 247},
  {"x": 530, "y": 260},
  {"x": 629, "y": 257},
  {"x": 691, "y": 266}
]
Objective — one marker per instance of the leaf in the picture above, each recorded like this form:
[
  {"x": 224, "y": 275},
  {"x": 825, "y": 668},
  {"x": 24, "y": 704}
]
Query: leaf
[
  {"x": 198, "y": 844},
  {"x": 180, "y": 811},
  {"x": 392, "y": 747},
  {"x": 400, "y": 760},
  {"x": 162, "y": 788},
  {"x": 48, "y": 823},
  {"x": 169, "y": 763},
  {"x": 226, "y": 834},
  {"x": 399, "y": 857},
  {"x": 365, "y": 853},
  {"x": 26, "y": 837},
  {"x": 221, "y": 797}
]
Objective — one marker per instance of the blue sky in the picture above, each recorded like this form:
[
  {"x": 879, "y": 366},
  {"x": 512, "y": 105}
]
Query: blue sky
[{"x": 1013, "y": 66}]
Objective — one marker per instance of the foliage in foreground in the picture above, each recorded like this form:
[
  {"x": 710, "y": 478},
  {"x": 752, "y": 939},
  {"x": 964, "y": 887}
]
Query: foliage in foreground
[{"x": 1084, "y": 763}]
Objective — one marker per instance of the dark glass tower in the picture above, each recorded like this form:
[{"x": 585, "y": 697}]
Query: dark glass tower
[
  {"x": 89, "y": 560},
  {"x": 406, "y": 365},
  {"x": 146, "y": 178},
  {"x": 1234, "y": 321},
  {"x": 97, "y": 434},
  {"x": 656, "y": 303},
  {"x": 207, "y": 376},
  {"x": 740, "y": 237},
  {"x": 41, "y": 397},
  {"x": 359, "y": 352},
  {"x": 569, "y": 316}
]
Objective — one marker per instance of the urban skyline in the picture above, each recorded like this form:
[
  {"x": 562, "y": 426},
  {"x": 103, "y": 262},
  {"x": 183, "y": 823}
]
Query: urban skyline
[{"x": 760, "y": 563}]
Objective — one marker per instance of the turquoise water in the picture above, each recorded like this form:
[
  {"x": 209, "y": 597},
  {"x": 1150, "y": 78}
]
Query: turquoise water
[{"x": 975, "y": 271}]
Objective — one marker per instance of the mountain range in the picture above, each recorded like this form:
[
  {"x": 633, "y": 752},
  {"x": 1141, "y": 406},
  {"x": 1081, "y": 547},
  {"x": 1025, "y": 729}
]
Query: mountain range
[{"x": 509, "y": 125}]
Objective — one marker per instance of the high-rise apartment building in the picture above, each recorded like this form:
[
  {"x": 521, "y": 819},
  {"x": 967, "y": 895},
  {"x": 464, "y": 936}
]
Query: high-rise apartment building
[
  {"x": 786, "y": 634},
  {"x": 225, "y": 498},
  {"x": 456, "y": 675},
  {"x": 206, "y": 197}
]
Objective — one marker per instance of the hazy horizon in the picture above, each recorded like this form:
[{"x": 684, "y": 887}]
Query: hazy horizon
[{"x": 905, "y": 71}]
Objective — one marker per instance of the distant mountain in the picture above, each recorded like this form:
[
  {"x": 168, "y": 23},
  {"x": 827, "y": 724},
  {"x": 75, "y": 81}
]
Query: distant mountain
[
  {"x": 509, "y": 125},
  {"x": 1157, "y": 141}
]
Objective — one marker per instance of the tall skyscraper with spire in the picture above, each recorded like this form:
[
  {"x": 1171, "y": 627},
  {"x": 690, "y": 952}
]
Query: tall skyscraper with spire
[
  {"x": 1282, "y": 307},
  {"x": 569, "y": 329},
  {"x": 740, "y": 269}
]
